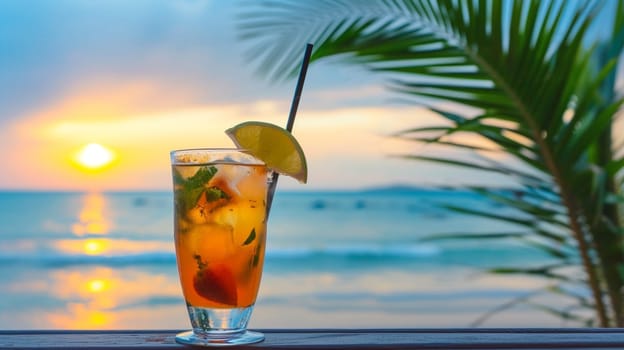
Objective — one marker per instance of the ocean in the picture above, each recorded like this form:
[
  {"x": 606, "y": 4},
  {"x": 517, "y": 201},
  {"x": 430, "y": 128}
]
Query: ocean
[{"x": 335, "y": 259}]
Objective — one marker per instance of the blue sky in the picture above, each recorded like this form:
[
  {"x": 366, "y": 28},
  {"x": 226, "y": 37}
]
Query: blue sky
[{"x": 143, "y": 77}]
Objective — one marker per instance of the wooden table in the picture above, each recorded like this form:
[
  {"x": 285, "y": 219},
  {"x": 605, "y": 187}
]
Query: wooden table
[{"x": 551, "y": 338}]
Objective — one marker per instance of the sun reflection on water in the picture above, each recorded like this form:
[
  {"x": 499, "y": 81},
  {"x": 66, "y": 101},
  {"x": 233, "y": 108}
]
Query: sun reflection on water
[
  {"x": 110, "y": 247},
  {"x": 97, "y": 285},
  {"x": 98, "y": 296},
  {"x": 93, "y": 217},
  {"x": 95, "y": 246}
]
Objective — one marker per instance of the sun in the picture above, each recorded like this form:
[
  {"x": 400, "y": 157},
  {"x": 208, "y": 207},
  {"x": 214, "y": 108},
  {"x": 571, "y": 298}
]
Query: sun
[{"x": 94, "y": 156}]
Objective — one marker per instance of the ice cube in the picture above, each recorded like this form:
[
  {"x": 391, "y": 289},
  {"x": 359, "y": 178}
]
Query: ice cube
[
  {"x": 226, "y": 179},
  {"x": 225, "y": 215},
  {"x": 213, "y": 242}
]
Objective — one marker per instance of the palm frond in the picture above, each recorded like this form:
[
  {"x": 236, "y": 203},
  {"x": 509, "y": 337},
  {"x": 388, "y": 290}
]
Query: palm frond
[{"x": 523, "y": 63}]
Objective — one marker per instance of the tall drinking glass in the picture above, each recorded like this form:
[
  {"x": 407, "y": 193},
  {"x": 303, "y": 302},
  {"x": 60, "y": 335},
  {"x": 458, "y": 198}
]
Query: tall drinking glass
[{"x": 220, "y": 219}]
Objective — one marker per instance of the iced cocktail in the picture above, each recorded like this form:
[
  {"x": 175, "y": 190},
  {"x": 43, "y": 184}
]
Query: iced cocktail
[
  {"x": 220, "y": 220},
  {"x": 222, "y": 199}
]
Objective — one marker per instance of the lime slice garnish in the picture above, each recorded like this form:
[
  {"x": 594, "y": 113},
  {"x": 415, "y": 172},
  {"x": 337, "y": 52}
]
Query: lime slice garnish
[{"x": 273, "y": 145}]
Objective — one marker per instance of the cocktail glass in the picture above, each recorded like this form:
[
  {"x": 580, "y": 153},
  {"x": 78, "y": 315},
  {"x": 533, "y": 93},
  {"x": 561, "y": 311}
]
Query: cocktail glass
[{"x": 220, "y": 220}]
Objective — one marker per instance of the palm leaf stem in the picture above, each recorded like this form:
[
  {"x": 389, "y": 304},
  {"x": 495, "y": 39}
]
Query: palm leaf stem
[
  {"x": 502, "y": 307},
  {"x": 611, "y": 51}
]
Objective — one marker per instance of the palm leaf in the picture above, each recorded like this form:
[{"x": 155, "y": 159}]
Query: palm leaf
[{"x": 547, "y": 272}]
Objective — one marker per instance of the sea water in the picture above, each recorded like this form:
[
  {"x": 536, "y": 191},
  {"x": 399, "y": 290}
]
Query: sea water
[{"x": 333, "y": 259}]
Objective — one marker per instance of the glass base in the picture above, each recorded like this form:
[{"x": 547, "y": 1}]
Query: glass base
[
  {"x": 223, "y": 339},
  {"x": 219, "y": 327}
]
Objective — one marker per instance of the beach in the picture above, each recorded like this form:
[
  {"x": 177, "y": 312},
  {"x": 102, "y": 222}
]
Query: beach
[{"x": 334, "y": 259}]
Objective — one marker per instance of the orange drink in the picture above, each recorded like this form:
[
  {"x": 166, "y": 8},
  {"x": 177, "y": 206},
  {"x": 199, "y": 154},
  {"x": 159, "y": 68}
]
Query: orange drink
[
  {"x": 222, "y": 199},
  {"x": 220, "y": 220}
]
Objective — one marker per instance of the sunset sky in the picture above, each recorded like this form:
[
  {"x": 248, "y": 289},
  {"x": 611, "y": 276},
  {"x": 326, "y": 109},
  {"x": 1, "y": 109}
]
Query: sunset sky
[{"x": 143, "y": 77}]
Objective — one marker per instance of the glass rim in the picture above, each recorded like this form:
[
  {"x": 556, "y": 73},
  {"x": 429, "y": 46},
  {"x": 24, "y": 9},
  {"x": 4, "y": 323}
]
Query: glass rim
[
  {"x": 214, "y": 150},
  {"x": 209, "y": 149}
]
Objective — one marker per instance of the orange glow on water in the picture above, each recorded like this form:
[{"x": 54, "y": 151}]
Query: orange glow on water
[
  {"x": 97, "y": 285},
  {"x": 80, "y": 316},
  {"x": 95, "y": 246},
  {"x": 93, "y": 217},
  {"x": 106, "y": 298},
  {"x": 99, "y": 246},
  {"x": 98, "y": 319}
]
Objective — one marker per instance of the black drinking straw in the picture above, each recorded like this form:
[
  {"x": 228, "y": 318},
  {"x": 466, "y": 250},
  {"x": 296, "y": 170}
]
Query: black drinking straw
[{"x": 291, "y": 116}]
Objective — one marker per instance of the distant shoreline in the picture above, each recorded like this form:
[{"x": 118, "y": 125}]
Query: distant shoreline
[{"x": 392, "y": 188}]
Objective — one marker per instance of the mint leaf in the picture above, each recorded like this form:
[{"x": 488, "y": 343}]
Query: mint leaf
[
  {"x": 215, "y": 193},
  {"x": 251, "y": 237},
  {"x": 203, "y": 175},
  {"x": 189, "y": 190},
  {"x": 256, "y": 258},
  {"x": 177, "y": 178},
  {"x": 188, "y": 197}
]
